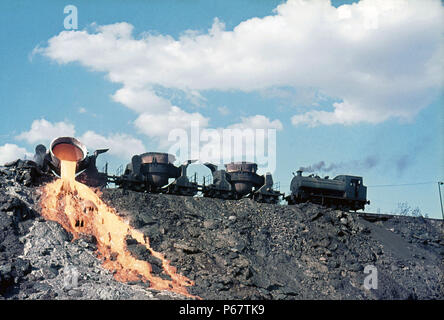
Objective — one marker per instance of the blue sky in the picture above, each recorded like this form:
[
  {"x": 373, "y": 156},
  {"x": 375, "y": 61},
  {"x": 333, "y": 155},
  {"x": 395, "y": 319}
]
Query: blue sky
[{"x": 357, "y": 86}]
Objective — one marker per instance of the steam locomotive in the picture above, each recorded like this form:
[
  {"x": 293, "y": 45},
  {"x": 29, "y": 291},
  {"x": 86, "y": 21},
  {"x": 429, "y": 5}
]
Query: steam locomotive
[
  {"x": 342, "y": 192},
  {"x": 153, "y": 171}
]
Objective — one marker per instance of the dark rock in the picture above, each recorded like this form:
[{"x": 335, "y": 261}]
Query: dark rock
[
  {"x": 210, "y": 224},
  {"x": 316, "y": 216},
  {"x": 50, "y": 273},
  {"x": 22, "y": 267},
  {"x": 231, "y": 249},
  {"x": 187, "y": 248},
  {"x": 11, "y": 163},
  {"x": 42, "y": 287}
]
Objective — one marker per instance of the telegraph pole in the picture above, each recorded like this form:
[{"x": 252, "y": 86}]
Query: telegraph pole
[{"x": 440, "y": 198}]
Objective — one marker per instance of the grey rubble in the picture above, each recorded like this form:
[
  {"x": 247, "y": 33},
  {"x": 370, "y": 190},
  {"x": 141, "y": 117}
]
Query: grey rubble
[
  {"x": 231, "y": 249},
  {"x": 248, "y": 250},
  {"x": 36, "y": 254}
]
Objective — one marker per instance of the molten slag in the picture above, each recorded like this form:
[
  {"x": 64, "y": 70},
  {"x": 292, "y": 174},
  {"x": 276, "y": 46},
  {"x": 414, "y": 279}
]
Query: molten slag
[{"x": 80, "y": 210}]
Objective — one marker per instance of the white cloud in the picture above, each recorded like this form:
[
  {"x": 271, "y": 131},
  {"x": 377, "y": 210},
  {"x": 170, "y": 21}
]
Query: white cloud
[
  {"x": 44, "y": 131},
  {"x": 141, "y": 100},
  {"x": 381, "y": 59},
  {"x": 160, "y": 125},
  {"x": 82, "y": 110},
  {"x": 121, "y": 145},
  {"x": 223, "y": 110},
  {"x": 257, "y": 122},
  {"x": 10, "y": 152},
  {"x": 248, "y": 140}
]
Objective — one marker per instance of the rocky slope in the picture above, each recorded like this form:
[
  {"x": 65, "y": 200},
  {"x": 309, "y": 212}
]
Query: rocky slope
[
  {"x": 37, "y": 257},
  {"x": 247, "y": 250},
  {"x": 231, "y": 249}
]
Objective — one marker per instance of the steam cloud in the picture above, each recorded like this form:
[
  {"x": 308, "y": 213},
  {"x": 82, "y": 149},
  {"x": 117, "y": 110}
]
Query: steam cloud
[{"x": 367, "y": 163}]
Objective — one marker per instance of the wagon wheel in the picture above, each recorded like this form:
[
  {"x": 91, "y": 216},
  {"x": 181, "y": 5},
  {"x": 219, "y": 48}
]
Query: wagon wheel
[{"x": 274, "y": 200}]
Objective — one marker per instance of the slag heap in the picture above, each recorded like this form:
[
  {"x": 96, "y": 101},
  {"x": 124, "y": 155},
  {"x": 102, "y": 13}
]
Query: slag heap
[{"x": 80, "y": 211}]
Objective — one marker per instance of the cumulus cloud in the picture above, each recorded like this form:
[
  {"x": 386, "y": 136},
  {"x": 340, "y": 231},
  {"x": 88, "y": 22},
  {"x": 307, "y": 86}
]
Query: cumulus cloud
[
  {"x": 380, "y": 59},
  {"x": 11, "y": 152},
  {"x": 252, "y": 139},
  {"x": 160, "y": 125},
  {"x": 44, "y": 131},
  {"x": 121, "y": 145},
  {"x": 257, "y": 122},
  {"x": 141, "y": 100}
]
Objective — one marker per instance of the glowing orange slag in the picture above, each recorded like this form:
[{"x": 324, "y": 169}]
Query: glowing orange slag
[
  {"x": 80, "y": 211},
  {"x": 68, "y": 170},
  {"x": 67, "y": 152}
]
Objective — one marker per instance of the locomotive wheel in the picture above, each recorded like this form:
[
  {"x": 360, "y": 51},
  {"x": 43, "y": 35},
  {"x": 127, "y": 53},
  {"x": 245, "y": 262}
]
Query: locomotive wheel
[{"x": 274, "y": 200}]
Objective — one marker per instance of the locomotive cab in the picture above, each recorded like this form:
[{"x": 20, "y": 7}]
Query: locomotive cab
[
  {"x": 343, "y": 192},
  {"x": 354, "y": 187}
]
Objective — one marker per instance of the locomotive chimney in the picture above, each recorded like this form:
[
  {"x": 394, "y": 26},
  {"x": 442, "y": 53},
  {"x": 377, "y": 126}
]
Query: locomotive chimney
[{"x": 299, "y": 172}]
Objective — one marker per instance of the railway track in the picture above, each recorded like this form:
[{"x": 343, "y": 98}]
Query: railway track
[{"x": 372, "y": 217}]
